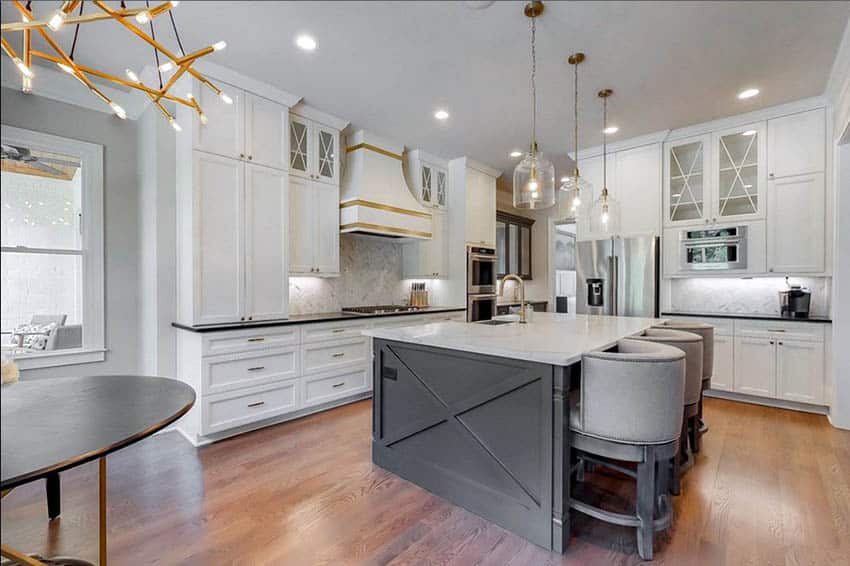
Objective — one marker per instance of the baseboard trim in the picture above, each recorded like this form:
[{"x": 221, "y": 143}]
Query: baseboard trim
[
  {"x": 767, "y": 402},
  {"x": 209, "y": 439}
]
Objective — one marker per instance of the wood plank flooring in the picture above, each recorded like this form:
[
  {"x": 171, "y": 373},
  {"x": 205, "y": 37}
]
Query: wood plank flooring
[{"x": 770, "y": 487}]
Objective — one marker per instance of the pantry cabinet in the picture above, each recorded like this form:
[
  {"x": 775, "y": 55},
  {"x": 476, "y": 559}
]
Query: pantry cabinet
[
  {"x": 428, "y": 259},
  {"x": 796, "y": 239},
  {"x": 252, "y": 128},
  {"x": 480, "y": 208},
  {"x": 797, "y": 144},
  {"x": 314, "y": 221},
  {"x": 313, "y": 150},
  {"x": 233, "y": 242}
]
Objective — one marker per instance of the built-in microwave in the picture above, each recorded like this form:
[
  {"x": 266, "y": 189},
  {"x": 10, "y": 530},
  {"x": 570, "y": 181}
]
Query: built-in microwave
[{"x": 713, "y": 249}]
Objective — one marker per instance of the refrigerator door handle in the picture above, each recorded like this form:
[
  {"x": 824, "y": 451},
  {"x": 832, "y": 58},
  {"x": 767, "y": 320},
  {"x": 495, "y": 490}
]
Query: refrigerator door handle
[{"x": 615, "y": 285}]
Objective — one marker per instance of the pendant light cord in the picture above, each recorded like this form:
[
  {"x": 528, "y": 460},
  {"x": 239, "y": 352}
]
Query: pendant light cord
[
  {"x": 575, "y": 122},
  {"x": 534, "y": 85},
  {"x": 76, "y": 33},
  {"x": 604, "y": 147}
]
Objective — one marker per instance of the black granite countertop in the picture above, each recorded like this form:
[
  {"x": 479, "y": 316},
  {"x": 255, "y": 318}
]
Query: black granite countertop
[
  {"x": 820, "y": 319},
  {"x": 308, "y": 318}
]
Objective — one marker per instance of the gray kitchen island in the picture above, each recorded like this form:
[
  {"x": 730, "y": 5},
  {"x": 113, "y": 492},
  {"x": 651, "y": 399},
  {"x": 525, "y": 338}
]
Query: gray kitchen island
[{"x": 478, "y": 413}]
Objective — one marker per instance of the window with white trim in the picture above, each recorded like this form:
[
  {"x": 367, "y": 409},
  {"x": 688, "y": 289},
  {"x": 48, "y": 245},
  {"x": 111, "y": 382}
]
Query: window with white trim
[{"x": 51, "y": 206}]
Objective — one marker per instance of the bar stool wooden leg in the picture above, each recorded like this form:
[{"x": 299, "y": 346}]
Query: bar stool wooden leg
[
  {"x": 646, "y": 504},
  {"x": 54, "y": 499}
]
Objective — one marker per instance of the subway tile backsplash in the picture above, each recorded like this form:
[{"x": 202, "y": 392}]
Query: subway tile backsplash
[{"x": 743, "y": 296}]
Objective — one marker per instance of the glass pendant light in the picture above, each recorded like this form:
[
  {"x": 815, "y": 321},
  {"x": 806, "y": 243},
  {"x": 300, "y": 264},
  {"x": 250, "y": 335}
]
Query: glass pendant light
[
  {"x": 534, "y": 176},
  {"x": 606, "y": 210},
  {"x": 575, "y": 184}
]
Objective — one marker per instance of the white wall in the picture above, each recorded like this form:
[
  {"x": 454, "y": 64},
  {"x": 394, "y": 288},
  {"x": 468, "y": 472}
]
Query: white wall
[{"x": 118, "y": 138}]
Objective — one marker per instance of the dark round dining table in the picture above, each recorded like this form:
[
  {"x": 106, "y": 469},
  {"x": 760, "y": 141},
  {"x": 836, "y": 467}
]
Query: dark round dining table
[{"x": 51, "y": 425}]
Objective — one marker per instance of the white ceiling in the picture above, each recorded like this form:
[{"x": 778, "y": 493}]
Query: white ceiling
[{"x": 387, "y": 66}]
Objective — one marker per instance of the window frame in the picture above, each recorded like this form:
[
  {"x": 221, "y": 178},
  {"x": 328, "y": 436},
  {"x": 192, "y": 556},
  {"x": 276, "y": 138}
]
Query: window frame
[
  {"x": 520, "y": 222},
  {"x": 92, "y": 249}
]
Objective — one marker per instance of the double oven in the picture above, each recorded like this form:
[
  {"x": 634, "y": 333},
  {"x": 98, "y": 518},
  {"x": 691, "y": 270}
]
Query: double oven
[{"x": 480, "y": 283}]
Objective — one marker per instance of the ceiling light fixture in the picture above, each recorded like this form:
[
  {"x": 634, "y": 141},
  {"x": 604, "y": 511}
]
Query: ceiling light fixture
[
  {"x": 305, "y": 42},
  {"x": 534, "y": 176},
  {"x": 747, "y": 93},
  {"x": 441, "y": 115},
  {"x": 606, "y": 210},
  {"x": 516, "y": 153},
  {"x": 575, "y": 184},
  {"x": 182, "y": 63},
  {"x": 610, "y": 130}
]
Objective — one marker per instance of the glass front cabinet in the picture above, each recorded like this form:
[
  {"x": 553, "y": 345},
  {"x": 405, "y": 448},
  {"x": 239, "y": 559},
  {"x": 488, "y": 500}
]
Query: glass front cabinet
[
  {"x": 428, "y": 177},
  {"x": 715, "y": 178},
  {"x": 313, "y": 150}
]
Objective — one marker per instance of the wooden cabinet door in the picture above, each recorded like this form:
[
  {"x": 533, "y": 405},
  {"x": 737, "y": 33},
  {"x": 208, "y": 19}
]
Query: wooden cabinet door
[
  {"x": 326, "y": 219},
  {"x": 755, "y": 366},
  {"x": 266, "y": 243},
  {"x": 326, "y": 152},
  {"x": 638, "y": 188},
  {"x": 799, "y": 371},
  {"x": 302, "y": 226},
  {"x": 218, "y": 194},
  {"x": 301, "y": 152},
  {"x": 686, "y": 181},
  {"x": 724, "y": 364},
  {"x": 796, "y": 144},
  {"x": 796, "y": 241},
  {"x": 266, "y": 132},
  {"x": 224, "y": 132}
]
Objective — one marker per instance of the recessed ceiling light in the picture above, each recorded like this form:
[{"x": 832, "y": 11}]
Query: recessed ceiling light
[
  {"x": 305, "y": 42},
  {"x": 749, "y": 133},
  {"x": 611, "y": 130},
  {"x": 747, "y": 93},
  {"x": 516, "y": 153},
  {"x": 441, "y": 115}
]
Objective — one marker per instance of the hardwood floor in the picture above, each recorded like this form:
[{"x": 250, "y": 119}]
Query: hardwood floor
[{"x": 770, "y": 487}]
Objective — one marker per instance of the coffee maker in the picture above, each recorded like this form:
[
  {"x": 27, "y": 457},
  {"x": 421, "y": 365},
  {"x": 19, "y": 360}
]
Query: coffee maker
[{"x": 794, "y": 302}]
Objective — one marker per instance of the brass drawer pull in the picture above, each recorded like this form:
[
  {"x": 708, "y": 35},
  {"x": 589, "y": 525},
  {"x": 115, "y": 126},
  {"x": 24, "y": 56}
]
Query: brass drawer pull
[
  {"x": 776, "y": 330},
  {"x": 259, "y": 339},
  {"x": 257, "y": 404},
  {"x": 338, "y": 354},
  {"x": 256, "y": 368},
  {"x": 335, "y": 385},
  {"x": 338, "y": 330}
]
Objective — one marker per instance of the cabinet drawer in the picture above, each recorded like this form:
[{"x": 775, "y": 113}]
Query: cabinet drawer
[
  {"x": 323, "y": 388},
  {"x": 227, "y": 373},
  {"x": 332, "y": 331},
  {"x": 234, "y": 341},
  {"x": 804, "y": 331},
  {"x": 333, "y": 355},
  {"x": 226, "y": 411}
]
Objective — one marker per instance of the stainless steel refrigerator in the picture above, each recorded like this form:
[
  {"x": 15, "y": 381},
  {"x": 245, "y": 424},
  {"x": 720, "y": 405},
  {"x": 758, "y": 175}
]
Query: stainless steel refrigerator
[{"x": 618, "y": 276}]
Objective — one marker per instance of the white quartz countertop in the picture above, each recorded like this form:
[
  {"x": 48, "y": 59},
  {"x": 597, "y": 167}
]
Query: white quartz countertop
[{"x": 550, "y": 338}]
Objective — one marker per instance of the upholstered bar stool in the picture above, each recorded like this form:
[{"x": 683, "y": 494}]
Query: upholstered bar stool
[
  {"x": 629, "y": 409},
  {"x": 691, "y": 345},
  {"x": 707, "y": 333}
]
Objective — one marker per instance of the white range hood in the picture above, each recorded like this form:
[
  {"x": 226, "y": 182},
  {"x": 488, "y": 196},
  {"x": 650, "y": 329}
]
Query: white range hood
[{"x": 374, "y": 197}]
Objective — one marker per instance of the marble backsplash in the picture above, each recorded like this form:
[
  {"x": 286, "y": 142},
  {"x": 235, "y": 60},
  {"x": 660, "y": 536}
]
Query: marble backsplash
[
  {"x": 744, "y": 296},
  {"x": 371, "y": 274}
]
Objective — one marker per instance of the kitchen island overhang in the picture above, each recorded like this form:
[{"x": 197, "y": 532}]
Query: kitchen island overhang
[{"x": 479, "y": 414}]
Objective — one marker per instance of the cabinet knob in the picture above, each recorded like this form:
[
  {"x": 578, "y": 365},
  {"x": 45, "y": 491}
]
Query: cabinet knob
[
  {"x": 250, "y": 157},
  {"x": 242, "y": 156},
  {"x": 770, "y": 175},
  {"x": 771, "y": 270},
  {"x": 250, "y": 318},
  {"x": 771, "y": 342},
  {"x": 780, "y": 343},
  {"x": 241, "y": 318}
]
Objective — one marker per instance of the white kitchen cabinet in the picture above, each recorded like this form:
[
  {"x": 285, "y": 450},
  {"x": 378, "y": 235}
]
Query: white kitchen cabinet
[
  {"x": 755, "y": 365},
  {"x": 686, "y": 172},
  {"x": 796, "y": 241},
  {"x": 266, "y": 245},
  {"x": 252, "y": 128},
  {"x": 314, "y": 220},
  {"x": 428, "y": 259},
  {"x": 217, "y": 247},
  {"x": 637, "y": 175},
  {"x": 313, "y": 150},
  {"x": 797, "y": 144},
  {"x": 739, "y": 180},
  {"x": 233, "y": 242},
  {"x": 588, "y": 227},
  {"x": 799, "y": 371},
  {"x": 723, "y": 378},
  {"x": 428, "y": 177},
  {"x": 480, "y": 208}
]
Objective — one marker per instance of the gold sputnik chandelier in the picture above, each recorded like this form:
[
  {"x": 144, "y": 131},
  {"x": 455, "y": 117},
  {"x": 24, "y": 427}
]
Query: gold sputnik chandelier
[{"x": 179, "y": 64}]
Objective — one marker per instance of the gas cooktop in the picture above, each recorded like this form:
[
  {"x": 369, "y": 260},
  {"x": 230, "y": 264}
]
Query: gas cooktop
[{"x": 380, "y": 309}]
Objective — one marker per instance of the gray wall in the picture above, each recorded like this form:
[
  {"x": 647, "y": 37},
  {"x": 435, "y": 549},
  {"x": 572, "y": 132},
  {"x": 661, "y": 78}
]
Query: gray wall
[{"x": 121, "y": 237}]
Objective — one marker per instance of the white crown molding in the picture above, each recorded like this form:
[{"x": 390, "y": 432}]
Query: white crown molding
[
  {"x": 647, "y": 139},
  {"x": 58, "y": 85},
  {"x": 311, "y": 113},
  {"x": 493, "y": 172},
  {"x": 838, "y": 86},
  {"x": 244, "y": 82},
  {"x": 422, "y": 155}
]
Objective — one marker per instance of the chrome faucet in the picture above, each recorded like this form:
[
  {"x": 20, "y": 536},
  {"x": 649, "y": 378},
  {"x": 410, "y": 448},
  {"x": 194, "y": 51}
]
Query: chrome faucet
[{"x": 521, "y": 282}]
